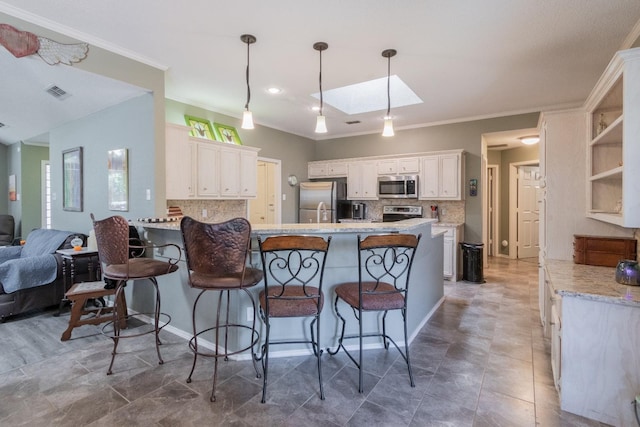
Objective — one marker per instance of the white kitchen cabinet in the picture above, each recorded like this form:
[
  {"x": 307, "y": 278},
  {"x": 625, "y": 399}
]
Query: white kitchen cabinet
[
  {"x": 613, "y": 149},
  {"x": 208, "y": 170},
  {"x": 180, "y": 158},
  {"x": 362, "y": 181},
  {"x": 324, "y": 169},
  {"x": 401, "y": 166},
  {"x": 202, "y": 169},
  {"x": 442, "y": 176},
  {"x": 452, "y": 261}
]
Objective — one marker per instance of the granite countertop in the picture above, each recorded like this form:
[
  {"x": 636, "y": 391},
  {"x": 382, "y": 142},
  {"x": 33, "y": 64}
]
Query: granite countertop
[
  {"x": 590, "y": 282},
  {"x": 312, "y": 228},
  {"x": 447, "y": 224}
]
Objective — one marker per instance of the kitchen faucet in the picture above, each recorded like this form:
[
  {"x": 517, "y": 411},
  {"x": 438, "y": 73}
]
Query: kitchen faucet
[{"x": 322, "y": 206}]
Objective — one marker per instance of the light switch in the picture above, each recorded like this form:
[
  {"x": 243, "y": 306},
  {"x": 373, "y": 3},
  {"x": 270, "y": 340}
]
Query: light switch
[
  {"x": 148, "y": 194},
  {"x": 284, "y": 197}
]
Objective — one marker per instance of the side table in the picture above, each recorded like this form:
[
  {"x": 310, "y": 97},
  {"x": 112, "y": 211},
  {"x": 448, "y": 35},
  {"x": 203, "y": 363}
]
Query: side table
[
  {"x": 69, "y": 257},
  {"x": 79, "y": 294}
]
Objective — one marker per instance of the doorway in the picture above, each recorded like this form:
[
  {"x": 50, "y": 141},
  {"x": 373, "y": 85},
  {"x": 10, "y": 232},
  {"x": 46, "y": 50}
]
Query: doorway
[
  {"x": 266, "y": 207},
  {"x": 493, "y": 209},
  {"x": 524, "y": 212}
]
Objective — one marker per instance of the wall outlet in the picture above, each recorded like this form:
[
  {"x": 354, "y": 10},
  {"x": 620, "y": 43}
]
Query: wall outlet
[
  {"x": 249, "y": 314},
  {"x": 148, "y": 194},
  {"x": 204, "y": 213}
]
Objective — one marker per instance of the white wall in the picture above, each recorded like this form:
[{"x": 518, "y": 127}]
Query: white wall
[{"x": 565, "y": 161}]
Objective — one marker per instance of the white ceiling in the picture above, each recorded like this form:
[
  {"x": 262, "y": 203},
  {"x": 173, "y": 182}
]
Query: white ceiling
[{"x": 465, "y": 59}]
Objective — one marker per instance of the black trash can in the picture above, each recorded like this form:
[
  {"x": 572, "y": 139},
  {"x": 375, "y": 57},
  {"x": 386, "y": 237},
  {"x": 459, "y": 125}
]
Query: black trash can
[{"x": 472, "y": 262}]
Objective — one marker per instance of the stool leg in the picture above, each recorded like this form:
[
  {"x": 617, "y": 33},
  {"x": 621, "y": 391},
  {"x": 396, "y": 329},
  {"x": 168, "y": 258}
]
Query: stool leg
[
  {"x": 253, "y": 332},
  {"x": 217, "y": 349},
  {"x": 194, "y": 341},
  {"x": 156, "y": 319},
  {"x": 116, "y": 323}
]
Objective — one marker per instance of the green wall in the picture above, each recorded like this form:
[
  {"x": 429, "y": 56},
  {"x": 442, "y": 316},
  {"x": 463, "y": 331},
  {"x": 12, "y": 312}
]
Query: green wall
[
  {"x": 466, "y": 135},
  {"x": 31, "y": 159},
  {"x": 4, "y": 179}
]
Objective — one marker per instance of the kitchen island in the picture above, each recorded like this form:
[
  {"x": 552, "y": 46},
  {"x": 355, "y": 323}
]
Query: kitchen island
[
  {"x": 595, "y": 348},
  {"x": 426, "y": 290}
]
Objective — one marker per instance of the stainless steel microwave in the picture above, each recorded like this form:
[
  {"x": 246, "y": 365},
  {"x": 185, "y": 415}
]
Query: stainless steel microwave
[{"x": 398, "y": 187}]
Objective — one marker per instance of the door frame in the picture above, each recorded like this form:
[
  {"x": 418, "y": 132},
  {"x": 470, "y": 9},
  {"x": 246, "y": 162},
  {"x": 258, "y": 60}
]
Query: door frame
[
  {"x": 513, "y": 204},
  {"x": 495, "y": 190},
  {"x": 277, "y": 188}
]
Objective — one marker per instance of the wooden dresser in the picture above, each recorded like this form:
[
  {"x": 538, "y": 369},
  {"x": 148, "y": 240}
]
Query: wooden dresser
[{"x": 601, "y": 250}]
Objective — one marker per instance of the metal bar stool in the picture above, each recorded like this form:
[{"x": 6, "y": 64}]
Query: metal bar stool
[
  {"x": 384, "y": 267},
  {"x": 216, "y": 256},
  {"x": 112, "y": 237},
  {"x": 293, "y": 268}
]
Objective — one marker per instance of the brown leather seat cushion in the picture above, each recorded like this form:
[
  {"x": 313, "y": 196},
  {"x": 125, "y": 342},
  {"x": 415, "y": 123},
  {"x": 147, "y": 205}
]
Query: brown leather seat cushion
[
  {"x": 375, "y": 302},
  {"x": 252, "y": 276},
  {"x": 285, "y": 307},
  {"x": 139, "y": 268}
]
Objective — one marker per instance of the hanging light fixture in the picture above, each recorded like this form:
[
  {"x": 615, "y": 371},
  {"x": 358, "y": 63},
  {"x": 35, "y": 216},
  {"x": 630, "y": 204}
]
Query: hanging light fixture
[
  {"x": 321, "y": 124},
  {"x": 388, "y": 122},
  {"x": 247, "y": 117}
]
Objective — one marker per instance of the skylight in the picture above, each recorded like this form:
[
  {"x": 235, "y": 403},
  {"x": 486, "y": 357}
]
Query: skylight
[{"x": 369, "y": 96}]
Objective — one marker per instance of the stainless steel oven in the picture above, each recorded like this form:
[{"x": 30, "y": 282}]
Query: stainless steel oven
[{"x": 398, "y": 213}]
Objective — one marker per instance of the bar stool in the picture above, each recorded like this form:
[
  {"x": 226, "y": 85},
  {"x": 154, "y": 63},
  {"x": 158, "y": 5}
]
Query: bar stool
[
  {"x": 384, "y": 267},
  {"x": 216, "y": 256},
  {"x": 293, "y": 268},
  {"x": 112, "y": 237}
]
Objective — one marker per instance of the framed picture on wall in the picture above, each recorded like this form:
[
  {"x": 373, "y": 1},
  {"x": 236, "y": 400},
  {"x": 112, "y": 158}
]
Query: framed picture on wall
[
  {"x": 13, "y": 194},
  {"x": 118, "y": 175},
  {"x": 72, "y": 179}
]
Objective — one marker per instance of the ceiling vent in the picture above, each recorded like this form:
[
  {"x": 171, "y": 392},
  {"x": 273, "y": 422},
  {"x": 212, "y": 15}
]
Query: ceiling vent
[
  {"x": 353, "y": 122},
  {"x": 57, "y": 92}
]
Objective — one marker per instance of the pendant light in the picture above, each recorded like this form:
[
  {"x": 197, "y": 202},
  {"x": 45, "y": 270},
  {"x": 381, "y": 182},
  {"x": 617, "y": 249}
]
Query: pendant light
[
  {"x": 247, "y": 117},
  {"x": 321, "y": 124},
  {"x": 388, "y": 122}
]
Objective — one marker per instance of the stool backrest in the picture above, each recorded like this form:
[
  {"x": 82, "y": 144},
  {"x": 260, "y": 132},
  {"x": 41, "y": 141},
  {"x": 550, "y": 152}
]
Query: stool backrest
[
  {"x": 112, "y": 238},
  {"x": 218, "y": 249},
  {"x": 387, "y": 258},
  {"x": 291, "y": 260}
]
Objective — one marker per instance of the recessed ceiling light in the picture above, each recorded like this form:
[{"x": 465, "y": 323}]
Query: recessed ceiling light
[
  {"x": 370, "y": 96},
  {"x": 530, "y": 140},
  {"x": 274, "y": 90}
]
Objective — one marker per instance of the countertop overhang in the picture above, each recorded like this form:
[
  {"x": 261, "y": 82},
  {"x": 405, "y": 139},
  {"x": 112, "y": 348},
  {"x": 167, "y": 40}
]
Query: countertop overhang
[{"x": 407, "y": 225}]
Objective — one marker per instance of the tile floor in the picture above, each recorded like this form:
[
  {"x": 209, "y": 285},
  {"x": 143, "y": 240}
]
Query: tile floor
[{"x": 480, "y": 361}]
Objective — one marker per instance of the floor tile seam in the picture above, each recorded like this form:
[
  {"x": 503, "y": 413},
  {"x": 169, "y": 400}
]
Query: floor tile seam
[{"x": 383, "y": 409}]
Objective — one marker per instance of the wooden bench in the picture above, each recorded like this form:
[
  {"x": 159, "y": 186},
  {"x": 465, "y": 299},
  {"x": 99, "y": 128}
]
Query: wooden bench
[{"x": 79, "y": 294}]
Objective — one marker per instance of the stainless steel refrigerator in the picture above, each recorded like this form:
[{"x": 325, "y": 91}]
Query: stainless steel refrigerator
[{"x": 324, "y": 201}]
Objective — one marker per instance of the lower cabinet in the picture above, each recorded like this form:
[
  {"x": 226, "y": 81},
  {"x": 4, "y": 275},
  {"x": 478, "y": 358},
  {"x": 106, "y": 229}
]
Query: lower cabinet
[
  {"x": 454, "y": 234},
  {"x": 556, "y": 342}
]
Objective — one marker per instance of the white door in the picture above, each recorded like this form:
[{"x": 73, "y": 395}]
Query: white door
[
  {"x": 262, "y": 208},
  {"x": 528, "y": 213},
  {"x": 492, "y": 210}
]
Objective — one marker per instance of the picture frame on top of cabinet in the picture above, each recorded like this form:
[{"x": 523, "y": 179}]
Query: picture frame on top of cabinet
[
  {"x": 200, "y": 128},
  {"x": 227, "y": 134}
]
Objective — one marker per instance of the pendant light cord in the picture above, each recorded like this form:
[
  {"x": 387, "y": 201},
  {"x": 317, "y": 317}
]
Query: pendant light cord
[
  {"x": 246, "y": 106},
  {"x": 388, "y": 85},
  {"x": 320, "y": 82}
]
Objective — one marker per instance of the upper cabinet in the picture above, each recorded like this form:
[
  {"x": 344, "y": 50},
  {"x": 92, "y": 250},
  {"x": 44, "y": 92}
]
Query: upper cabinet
[
  {"x": 199, "y": 168},
  {"x": 401, "y": 166},
  {"x": 442, "y": 176},
  {"x": 362, "y": 181},
  {"x": 613, "y": 147},
  {"x": 332, "y": 169}
]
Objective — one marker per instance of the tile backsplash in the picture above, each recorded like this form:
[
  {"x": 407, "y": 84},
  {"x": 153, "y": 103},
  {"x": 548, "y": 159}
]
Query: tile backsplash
[
  {"x": 449, "y": 210},
  {"x": 216, "y": 210}
]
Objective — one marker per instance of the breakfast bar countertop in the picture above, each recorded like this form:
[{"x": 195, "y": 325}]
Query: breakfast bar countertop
[
  {"x": 590, "y": 282},
  {"x": 315, "y": 228}
]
